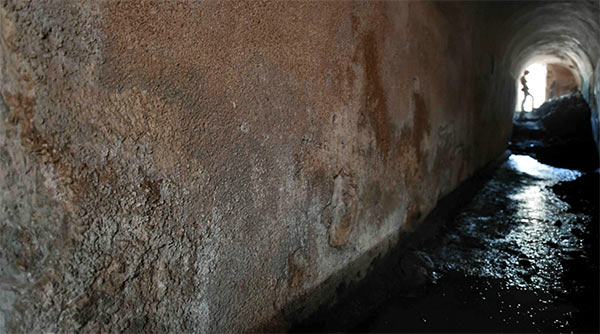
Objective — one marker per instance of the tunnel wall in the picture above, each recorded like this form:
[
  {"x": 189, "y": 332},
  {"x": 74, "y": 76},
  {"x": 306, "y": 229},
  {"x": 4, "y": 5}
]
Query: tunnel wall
[
  {"x": 595, "y": 104},
  {"x": 560, "y": 81},
  {"x": 200, "y": 166}
]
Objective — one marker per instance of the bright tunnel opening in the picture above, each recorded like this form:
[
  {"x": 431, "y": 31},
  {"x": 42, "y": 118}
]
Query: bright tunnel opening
[{"x": 536, "y": 85}]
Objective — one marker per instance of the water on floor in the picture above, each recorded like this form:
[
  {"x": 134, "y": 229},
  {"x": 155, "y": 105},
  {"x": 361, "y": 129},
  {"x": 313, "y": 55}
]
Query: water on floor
[
  {"x": 521, "y": 256},
  {"x": 518, "y": 258}
]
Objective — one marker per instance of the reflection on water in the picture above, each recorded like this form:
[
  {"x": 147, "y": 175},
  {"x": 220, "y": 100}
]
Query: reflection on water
[
  {"x": 516, "y": 229},
  {"x": 516, "y": 259},
  {"x": 528, "y": 165}
]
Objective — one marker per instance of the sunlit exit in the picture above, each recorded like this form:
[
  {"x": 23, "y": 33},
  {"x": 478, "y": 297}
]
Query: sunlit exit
[{"x": 536, "y": 82}]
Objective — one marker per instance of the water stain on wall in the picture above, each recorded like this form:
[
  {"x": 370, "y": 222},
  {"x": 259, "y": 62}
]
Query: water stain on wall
[{"x": 420, "y": 127}]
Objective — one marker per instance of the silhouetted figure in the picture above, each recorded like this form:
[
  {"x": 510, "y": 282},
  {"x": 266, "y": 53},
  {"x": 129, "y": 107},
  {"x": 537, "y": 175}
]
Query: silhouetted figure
[{"x": 525, "y": 90}]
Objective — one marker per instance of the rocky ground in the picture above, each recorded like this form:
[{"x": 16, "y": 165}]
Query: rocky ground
[
  {"x": 520, "y": 256},
  {"x": 558, "y": 133}
]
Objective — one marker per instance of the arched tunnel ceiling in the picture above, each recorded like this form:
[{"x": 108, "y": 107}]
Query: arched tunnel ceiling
[{"x": 558, "y": 32}]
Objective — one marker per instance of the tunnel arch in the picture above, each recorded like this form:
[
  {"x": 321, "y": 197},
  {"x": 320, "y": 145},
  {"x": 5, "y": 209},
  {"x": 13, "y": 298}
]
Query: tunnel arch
[
  {"x": 565, "y": 33},
  {"x": 554, "y": 32}
]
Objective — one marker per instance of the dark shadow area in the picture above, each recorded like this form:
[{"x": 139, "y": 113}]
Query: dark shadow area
[
  {"x": 558, "y": 133},
  {"x": 404, "y": 271},
  {"x": 514, "y": 250}
]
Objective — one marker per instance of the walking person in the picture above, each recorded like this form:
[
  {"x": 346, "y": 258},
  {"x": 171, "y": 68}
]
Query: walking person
[{"x": 525, "y": 90}]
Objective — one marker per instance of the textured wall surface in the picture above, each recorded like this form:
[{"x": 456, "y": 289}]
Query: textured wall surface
[
  {"x": 200, "y": 166},
  {"x": 560, "y": 81}
]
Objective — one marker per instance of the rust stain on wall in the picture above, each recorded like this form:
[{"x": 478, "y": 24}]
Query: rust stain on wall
[{"x": 374, "y": 104}]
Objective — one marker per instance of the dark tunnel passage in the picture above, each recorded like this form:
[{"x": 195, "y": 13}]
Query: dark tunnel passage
[
  {"x": 267, "y": 166},
  {"x": 564, "y": 35}
]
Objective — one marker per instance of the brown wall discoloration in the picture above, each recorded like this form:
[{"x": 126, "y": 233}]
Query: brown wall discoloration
[
  {"x": 560, "y": 81},
  {"x": 204, "y": 165},
  {"x": 374, "y": 105}
]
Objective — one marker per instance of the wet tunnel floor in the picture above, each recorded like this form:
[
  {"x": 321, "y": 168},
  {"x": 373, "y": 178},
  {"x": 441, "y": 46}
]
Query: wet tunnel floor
[
  {"x": 522, "y": 256},
  {"x": 518, "y": 254}
]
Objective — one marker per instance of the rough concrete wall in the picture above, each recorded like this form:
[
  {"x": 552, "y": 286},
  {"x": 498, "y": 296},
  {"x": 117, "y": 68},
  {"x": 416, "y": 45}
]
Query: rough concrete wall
[
  {"x": 199, "y": 166},
  {"x": 559, "y": 81}
]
